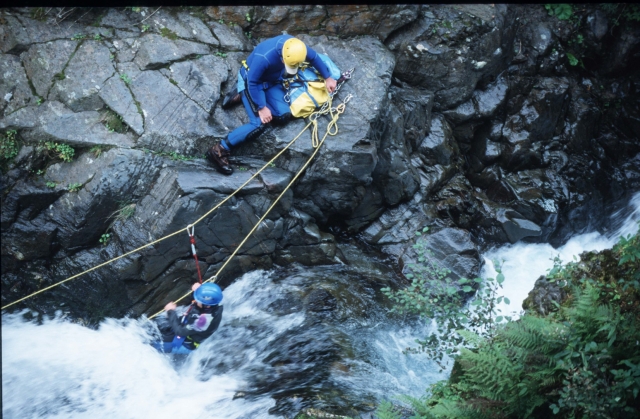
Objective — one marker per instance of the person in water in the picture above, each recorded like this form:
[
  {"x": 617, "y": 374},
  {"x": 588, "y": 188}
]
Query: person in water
[
  {"x": 261, "y": 91},
  {"x": 184, "y": 333}
]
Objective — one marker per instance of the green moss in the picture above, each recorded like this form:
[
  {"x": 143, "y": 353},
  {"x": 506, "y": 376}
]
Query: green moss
[
  {"x": 114, "y": 122},
  {"x": 168, "y": 33}
]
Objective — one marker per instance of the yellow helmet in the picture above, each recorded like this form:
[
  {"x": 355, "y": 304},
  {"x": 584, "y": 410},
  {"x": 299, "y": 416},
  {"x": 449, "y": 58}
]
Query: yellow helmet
[{"x": 294, "y": 51}]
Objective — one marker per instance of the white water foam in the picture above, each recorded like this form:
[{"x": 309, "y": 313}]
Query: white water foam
[{"x": 523, "y": 264}]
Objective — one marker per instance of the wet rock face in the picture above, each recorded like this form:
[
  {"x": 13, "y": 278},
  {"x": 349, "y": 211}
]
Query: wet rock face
[
  {"x": 448, "y": 50},
  {"x": 468, "y": 118},
  {"x": 340, "y": 20}
]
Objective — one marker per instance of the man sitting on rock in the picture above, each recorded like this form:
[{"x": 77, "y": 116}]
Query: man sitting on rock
[
  {"x": 182, "y": 334},
  {"x": 260, "y": 89}
]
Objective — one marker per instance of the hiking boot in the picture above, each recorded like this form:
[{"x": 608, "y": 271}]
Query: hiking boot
[
  {"x": 231, "y": 98},
  {"x": 219, "y": 156}
]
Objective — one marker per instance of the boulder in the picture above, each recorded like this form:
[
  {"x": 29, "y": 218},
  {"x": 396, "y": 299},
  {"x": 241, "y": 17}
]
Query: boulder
[
  {"x": 449, "y": 49},
  {"x": 449, "y": 248}
]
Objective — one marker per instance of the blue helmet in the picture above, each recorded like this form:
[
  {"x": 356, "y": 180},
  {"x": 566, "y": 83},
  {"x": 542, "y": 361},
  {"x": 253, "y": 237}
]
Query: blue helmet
[{"x": 208, "y": 294}]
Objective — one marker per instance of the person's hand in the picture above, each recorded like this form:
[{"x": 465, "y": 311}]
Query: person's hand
[
  {"x": 331, "y": 84},
  {"x": 170, "y": 306},
  {"x": 265, "y": 115},
  {"x": 195, "y": 286}
]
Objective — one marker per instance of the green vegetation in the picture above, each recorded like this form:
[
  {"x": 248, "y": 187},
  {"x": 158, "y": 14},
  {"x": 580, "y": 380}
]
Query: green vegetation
[
  {"x": 62, "y": 151},
  {"x": 51, "y": 184},
  {"x": 97, "y": 150},
  {"x": 78, "y": 37},
  {"x": 105, "y": 238},
  {"x": 125, "y": 211},
  {"x": 168, "y": 33},
  {"x": 171, "y": 154},
  {"x": 97, "y": 37},
  {"x": 39, "y": 13},
  {"x": 220, "y": 54},
  {"x": 580, "y": 361},
  {"x": 126, "y": 79},
  {"x": 9, "y": 145},
  {"x": 562, "y": 11},
  {"x": 145, "y": 27},
  {"x": 114, "y": 122},
  {"x": 247, "y": 17},
  {"x": 435, "y": 295},
  {"x": 74, "y": 187},
  {"x": 59, "y": 76}
]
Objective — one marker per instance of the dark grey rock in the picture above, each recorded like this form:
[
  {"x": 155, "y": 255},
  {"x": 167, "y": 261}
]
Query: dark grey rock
[
  {"x": 117, "y": 96},
  {"x": 449, "y": 248},
  {"x": 13, "y": 36},
  {"x": 157, "y": 51},
  {"x": 543, "y": 296},
  {"x": 49, "y": 30},
  {"x": 163, "y": 19},
  {"x": 439, "y": 147},
  {"x": 598, "y": 24},
  {"x": 451, "y": 51},
  {"x": 58, "y": 123},
  {"x": 415, "y": 106},
  {"x": 85, "y": 75},
  {"x": 117, "y": 19},
  {"x": 199, "y": 30},
  {"x": 173, "y": 122},
  {"x": 200, "y": 79},
  {"x": 126, "y": 48},
  {"x": 14, "y": 86},
  {"x": 229, "y": 39},
  {"x": 45, "y": 63},
  {"x": 518, "y": 228}
]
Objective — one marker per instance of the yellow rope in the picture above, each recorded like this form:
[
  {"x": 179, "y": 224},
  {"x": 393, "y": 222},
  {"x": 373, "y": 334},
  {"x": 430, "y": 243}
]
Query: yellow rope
[
  {"x": 314, "y": 141},
  {"x": 332, "y": 129},
  {"x": 168, "y": 235}
]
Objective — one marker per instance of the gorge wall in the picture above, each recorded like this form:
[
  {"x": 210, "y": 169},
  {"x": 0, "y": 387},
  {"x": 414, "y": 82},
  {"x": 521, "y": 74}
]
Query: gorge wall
[{"x": 489, "y": 123}]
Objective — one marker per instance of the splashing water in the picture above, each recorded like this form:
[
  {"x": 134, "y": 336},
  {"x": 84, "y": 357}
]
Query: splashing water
[
  {"x": 59, "y": 369},
  {"x": 525, "y": 263}
]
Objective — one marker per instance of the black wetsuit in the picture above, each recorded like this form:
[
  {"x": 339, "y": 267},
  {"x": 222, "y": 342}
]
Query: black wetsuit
[{"x": 200, "y": 324}]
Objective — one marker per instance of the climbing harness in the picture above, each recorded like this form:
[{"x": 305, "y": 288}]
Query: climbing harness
[{"x": 332, "y": 129}]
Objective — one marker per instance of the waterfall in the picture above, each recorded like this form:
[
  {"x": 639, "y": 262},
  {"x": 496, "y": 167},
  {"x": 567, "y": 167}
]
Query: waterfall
[{"x": 522, "y": 263}]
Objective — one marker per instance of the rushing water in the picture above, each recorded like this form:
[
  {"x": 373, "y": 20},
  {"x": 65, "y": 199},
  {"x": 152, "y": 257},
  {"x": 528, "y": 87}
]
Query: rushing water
[
  {"x": 522, "y": 264},
  {"x": 270, "y": 357}
]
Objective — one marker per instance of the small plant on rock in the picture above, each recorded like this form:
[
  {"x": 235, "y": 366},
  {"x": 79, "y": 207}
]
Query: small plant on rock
[
  {"x": 125, "y": 78},
  {"x": 63, "y": 151},
  {"x": 51, "y": 184},
  {"x": 74, "y": 187},
  {"x": 9, "y": 146},
  {"x": 105, "y": 238}
]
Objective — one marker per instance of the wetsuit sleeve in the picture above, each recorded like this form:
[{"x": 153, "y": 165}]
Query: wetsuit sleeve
[
  {"x": 177, "y": 328},
  {"x": 317, "y": 63},
  {"x": 254, "y": 83}
]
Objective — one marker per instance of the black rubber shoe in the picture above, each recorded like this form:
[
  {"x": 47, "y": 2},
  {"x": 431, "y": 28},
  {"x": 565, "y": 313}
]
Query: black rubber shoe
[
  {"x": 230, "y": 99},
  {"x": 219, "y": 156}
]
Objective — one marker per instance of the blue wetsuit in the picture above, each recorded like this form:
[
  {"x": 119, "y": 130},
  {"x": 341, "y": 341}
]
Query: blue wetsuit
[{"x": 263, "y": 87}]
